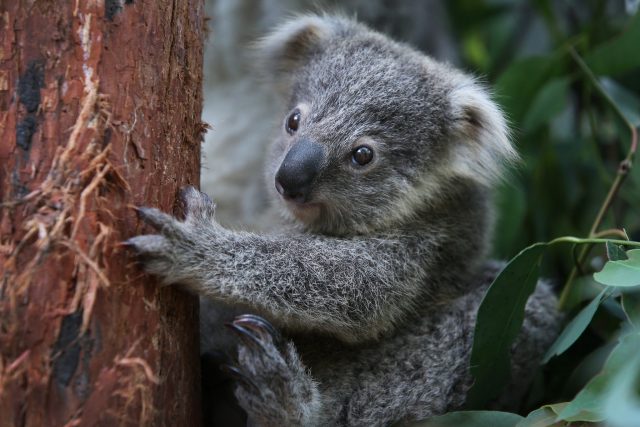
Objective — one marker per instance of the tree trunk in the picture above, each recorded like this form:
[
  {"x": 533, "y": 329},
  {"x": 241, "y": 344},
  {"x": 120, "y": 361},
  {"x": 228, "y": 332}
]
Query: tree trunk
[{"x": 100, "y": 105}]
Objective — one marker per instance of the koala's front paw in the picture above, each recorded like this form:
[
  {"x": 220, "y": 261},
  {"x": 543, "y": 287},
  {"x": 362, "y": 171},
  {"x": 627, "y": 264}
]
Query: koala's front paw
[
  {"x": 173, "y": 253},
  {"x": 273, "y": 386}
]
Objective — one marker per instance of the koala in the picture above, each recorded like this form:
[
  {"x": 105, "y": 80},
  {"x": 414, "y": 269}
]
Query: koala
[{"x": 362, "y": 304}]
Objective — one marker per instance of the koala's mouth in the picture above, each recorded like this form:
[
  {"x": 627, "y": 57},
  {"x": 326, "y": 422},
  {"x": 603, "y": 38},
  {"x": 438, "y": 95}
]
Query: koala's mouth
[{"x": 304, "y": 212}]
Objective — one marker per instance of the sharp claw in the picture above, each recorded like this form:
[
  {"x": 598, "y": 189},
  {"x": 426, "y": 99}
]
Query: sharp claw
[
  {"x": 260, "y": 326},
  {"x": 258, "y": 320},
  {"x": 145, "y": 244},
  {"x": 132, "y": 243},
  {"x": 126, "y": 244},
  {"x": 142, "y": 211},
  {"x": 145, "y": 212},
  {"x": 237, "y": 374},
  {"x": 154, "y": 217},
  {"x": 248, "y": 336}
]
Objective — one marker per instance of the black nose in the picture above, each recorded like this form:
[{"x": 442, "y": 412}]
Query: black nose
[{"x": 298, "y": 170}]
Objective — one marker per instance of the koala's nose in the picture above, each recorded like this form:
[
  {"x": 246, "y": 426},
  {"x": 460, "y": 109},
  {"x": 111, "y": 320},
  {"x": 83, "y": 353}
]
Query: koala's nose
[{"x": 298, "y": 170}]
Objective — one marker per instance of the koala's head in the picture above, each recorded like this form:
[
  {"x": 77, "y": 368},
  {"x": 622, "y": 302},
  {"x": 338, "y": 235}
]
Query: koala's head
[{"x": 375, "y": 132}]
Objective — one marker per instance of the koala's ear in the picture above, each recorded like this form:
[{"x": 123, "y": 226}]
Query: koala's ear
[
  {"x": 292, "y": 44},
  {"x": 482, "y": 142}
]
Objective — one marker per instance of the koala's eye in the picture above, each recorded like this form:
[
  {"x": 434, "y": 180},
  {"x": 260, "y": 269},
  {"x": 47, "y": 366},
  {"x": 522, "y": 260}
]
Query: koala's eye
[
  {"x": 293, "y": 121},
  {"x": 362, "y": 155}
]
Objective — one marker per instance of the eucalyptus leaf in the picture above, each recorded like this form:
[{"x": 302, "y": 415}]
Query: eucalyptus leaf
[
  {"x": 622, "y": 403},
  {"x": 630, "y": 303},
  {"x": 589, "y": 404},
  {"x": 472, "y": 419},
  {"x": 499, "y": 320},
  {"x": 542, "y": 417},
  {"x": 557, "y": 407},
  {"x": 575, "y": 328},
  {"x": 615, "y": 252},
  {"x": 623, "y": 273},
  {"x": 500, "y": 317},
  {"x": 588, "y": 368},
  {"x": 583, "y": 290}
]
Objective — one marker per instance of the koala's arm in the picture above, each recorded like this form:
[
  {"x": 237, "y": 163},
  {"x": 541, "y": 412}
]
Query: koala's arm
[{"x": 354, "y": 288}]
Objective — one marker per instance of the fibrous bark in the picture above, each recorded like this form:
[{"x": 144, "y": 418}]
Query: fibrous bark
[{"x": 100, "y": 106}]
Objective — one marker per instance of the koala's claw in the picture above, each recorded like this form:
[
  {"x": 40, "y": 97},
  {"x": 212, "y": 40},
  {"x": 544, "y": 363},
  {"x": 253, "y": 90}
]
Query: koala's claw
[
  {"x": 155, "y": 217},
  {"x": 254, "y": 330},
  {"x": 260, "y": 326},
  {"x": 247, "y": 336},
  {"x": 146, "y": 244},
  {"x": 238, "y": 375}
]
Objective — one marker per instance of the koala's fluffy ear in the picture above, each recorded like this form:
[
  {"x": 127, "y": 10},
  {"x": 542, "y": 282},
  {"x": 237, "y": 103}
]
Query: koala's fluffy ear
[
  {"x": 483, "y": 145},
  {"x": 292, "y": 44}
]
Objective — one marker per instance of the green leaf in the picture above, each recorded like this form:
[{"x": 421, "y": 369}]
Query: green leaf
[
  {"x": 615, "y": 252},
  {"x": 548, "y": 103},
  {"x": 587, "y": 368},
  {"x": 500, "y": 317},
  {"x": 630, "y": 303},
  {"x": 472, "y": 419},
  {"x": 542, "y": 417},
  {"x": 622, "y": 273},
  {"x": 589, "y": 404},
  {"x": 584, "y": 289},
  {"x": 618, "y": 55},
  {"x": 622, "y": 403},
  {"x": 575, "y": 328},
  {"x": 557, "y": 407},
  {"x": 499, "y": 321},
  {"x": 626, "y": 100}
]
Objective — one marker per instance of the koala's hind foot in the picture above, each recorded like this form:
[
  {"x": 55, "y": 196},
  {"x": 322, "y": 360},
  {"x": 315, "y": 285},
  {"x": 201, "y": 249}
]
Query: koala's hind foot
[{"x": 272, "y": 385}]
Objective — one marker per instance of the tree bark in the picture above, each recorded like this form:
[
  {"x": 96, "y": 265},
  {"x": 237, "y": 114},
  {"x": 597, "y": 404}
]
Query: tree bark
[{"x": 100, "y": 104}]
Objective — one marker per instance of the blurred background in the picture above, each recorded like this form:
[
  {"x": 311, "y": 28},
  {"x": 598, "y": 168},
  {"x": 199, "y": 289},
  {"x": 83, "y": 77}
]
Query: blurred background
[{"x": 567, "y": 75}]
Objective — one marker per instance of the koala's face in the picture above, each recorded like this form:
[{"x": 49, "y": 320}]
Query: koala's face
[{"x": 367, "y": 138}]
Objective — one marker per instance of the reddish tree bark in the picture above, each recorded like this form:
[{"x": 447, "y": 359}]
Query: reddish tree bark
[{"x": 100, "y": 105}]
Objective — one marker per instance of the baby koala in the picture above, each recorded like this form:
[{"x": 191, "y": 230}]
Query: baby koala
[{"x": 383, "y": 172}]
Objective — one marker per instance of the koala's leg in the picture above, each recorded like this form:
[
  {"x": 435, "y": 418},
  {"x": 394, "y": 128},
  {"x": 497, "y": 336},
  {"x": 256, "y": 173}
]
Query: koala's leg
[
  {"x": 272, "y": 384},
  {"x": 423, "y": 369}
]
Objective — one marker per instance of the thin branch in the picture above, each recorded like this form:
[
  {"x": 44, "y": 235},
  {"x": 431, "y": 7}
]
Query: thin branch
[
  {"x": 623, "y": 170},
  {"x": 611, "y": 232}
]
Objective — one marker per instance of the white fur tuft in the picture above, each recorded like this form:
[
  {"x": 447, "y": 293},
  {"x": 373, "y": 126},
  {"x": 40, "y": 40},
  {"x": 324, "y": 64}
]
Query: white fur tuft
[{"x": 483, "y": 144}]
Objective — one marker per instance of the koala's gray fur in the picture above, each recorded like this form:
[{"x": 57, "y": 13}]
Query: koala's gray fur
[{"x": 376, "y": 278}]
